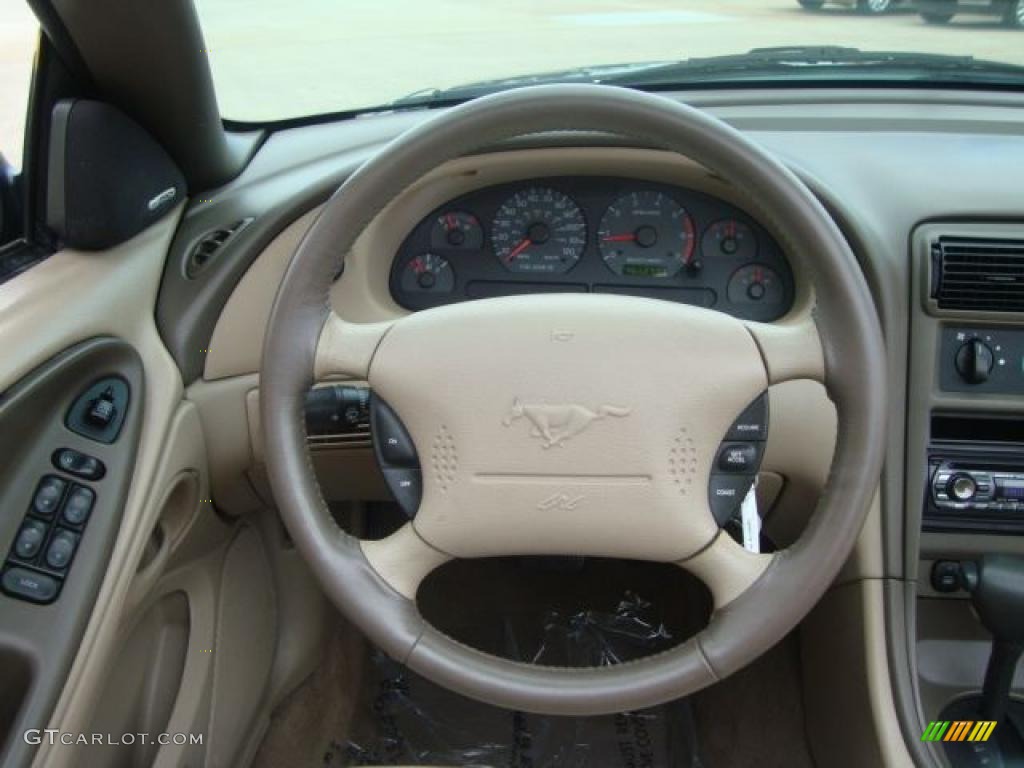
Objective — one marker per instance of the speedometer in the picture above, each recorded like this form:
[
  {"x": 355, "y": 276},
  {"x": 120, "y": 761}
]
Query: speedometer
[
  {"x": 539, "y": 230},
  {"x": 646, "y": 234}
]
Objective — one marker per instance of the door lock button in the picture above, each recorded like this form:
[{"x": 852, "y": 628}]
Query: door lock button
[{"x": 30, "y": 585}]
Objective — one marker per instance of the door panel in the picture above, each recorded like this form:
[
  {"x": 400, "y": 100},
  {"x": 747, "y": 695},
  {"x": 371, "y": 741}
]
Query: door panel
[{"x": 129, "y": 644}]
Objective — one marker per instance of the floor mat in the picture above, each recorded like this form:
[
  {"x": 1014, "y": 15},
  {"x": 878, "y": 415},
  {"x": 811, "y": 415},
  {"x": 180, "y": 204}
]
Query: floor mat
[{"x": 413, "y": 721}]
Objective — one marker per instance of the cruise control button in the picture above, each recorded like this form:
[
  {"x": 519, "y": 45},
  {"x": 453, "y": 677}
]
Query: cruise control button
[
  {"x": 77, "y": 463},
  {"x": 48, "y": 496},
  {"x": 407, "y": 487},
  {"x": 393, "y": 442},
  {"x": 29, "y": 585},
  {"x": 79, "y": 505},
  {"x": 61, "y": 550},
  {"x": 738, "y": 457},
  {"x": 30, "y": 539},
  {"x": 752, "y": 423},
  {"x": 726, "y": 493}
]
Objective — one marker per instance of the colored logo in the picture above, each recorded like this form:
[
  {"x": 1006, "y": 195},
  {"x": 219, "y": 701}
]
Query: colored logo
[
  {"x": 958, "y": 730},
  {"x": 555, "y": 424}
]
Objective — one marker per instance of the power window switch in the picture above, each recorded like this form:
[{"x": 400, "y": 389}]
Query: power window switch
[
  {"x": 79, "y": 505},
  {"x": 48, "y": 496},
  {"x": 30, "y": 540},
  {"x": 61, "y": 550}
]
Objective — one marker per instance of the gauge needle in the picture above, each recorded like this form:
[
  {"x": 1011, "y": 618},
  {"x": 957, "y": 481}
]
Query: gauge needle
[
  {"x": 526, "y": 243},
  {"x": 620, "y": 238}
]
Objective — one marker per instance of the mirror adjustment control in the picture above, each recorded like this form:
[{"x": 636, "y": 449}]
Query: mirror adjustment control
[
  {"x": 61, "y": 549},
  {"x": 77, "y": 463},
  {"x": 79, "y": 505},
  {"x": 102, "y": 410},
  {"x": 48, "y": 495},
  {"x": 30, "y": 539},
  {"x": 30, "y": 585}
]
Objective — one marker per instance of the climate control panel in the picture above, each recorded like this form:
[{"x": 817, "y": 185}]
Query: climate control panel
[{"x": 982, "y": 360}]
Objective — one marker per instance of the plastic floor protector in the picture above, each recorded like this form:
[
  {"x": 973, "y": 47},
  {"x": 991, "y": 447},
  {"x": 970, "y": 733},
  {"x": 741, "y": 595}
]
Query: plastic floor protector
[{"x": 414, "y": 722}]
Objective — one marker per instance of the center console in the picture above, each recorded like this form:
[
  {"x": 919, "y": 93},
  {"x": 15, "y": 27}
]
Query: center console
[{"x": 964, "y": 472}]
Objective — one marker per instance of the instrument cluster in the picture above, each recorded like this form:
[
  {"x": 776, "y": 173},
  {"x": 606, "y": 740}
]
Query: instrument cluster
[{"x": 594, "y": 234}]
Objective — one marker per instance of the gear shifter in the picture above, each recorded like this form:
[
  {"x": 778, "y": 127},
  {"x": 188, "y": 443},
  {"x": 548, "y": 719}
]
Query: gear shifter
[{"x": 996, "y": 584}]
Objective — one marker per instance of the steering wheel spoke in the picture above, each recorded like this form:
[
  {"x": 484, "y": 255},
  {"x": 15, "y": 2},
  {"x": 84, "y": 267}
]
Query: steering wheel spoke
[
  {"x": 403, "y": 560},
  {"x": 791, "y": 350},
  {"x": 347, "y": 349},
  {"x": 726, "y": 568}
]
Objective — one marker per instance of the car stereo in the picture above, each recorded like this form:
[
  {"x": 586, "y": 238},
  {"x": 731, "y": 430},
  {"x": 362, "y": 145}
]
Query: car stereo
[{"x": 976, "y": 479}]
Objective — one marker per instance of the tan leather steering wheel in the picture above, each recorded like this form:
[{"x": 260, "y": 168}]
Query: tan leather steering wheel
[{"x": 671, "y": 378}]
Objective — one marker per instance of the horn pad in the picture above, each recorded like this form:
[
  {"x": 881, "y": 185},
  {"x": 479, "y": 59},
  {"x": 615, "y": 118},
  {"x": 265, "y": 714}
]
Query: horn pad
[{"x": 567, "y": 424}]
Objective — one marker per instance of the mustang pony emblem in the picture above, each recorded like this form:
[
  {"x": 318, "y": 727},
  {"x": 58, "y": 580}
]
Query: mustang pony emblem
[{"x": 555, "y": 424}]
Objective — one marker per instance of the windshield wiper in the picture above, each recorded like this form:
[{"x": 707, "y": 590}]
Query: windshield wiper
[{"x": 793, "y": 63}]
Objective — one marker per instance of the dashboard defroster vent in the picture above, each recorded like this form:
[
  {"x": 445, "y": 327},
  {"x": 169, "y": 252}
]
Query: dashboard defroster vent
[{"x": 978, "y": 274}]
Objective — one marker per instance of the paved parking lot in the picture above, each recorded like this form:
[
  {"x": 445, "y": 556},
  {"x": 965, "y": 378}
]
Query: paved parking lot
[{"x": 275, "y": 59}]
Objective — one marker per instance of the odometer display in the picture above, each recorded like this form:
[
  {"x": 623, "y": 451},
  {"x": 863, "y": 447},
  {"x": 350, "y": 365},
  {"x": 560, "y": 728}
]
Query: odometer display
[{"x": 539, "y": 230}]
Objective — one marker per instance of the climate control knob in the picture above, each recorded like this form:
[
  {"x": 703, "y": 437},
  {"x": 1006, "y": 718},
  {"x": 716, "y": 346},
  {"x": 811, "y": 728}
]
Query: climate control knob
[{"x": 974, "y": 361}]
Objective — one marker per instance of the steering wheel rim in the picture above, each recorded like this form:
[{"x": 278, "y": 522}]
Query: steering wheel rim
[{"x": 305, "y": 341}]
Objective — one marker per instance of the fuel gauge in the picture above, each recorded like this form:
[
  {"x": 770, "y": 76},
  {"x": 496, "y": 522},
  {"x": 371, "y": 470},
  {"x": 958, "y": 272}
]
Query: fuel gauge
[
  {"x": 428, "y": 273},
  {"x": 457, "y": 229}
]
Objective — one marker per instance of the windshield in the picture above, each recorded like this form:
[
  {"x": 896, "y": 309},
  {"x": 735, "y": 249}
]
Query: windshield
[{"x": 275, "y": 60}]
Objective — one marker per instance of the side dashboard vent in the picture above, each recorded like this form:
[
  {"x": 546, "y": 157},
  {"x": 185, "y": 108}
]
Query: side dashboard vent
[
  {"x": 978, "y": 273},
  {"x": 209, "y": 245}
]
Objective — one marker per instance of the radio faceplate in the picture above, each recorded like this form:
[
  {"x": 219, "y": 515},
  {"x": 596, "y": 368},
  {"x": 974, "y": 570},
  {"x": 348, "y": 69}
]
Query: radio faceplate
[{"x": 975, "y": 487}]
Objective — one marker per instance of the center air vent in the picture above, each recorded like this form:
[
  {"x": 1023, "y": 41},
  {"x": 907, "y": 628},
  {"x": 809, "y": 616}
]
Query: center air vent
[
  {"x": 208, "y": 245},
  {"x": 979, "y": 274}
]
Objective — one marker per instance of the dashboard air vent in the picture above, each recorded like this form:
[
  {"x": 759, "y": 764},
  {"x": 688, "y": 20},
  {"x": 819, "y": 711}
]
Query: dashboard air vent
[
  {"x": 978, "y": 273},
  {"x": 208, "y": 245}
]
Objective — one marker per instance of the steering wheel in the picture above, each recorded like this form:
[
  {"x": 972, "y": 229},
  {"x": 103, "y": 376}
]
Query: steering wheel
[{"x": 673, "y": 377}]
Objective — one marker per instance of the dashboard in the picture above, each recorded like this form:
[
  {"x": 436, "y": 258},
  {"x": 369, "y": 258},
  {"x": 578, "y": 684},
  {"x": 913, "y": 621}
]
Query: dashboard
[{"x": 578, "y": 234}]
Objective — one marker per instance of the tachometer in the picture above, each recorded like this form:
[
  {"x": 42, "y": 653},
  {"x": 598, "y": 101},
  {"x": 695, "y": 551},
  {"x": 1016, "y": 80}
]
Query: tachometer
[
  {"x": 539, "y": 230},
  {"x": 646, "y": 234}
]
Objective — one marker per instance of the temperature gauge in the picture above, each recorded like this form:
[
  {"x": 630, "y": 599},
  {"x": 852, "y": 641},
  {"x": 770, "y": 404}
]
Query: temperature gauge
[
  {"x": 457, "y": 229},
  {"x": 756, "y": 284},
  {"x": 729, "y": 238},
  {"x": 428, "y": 273}
]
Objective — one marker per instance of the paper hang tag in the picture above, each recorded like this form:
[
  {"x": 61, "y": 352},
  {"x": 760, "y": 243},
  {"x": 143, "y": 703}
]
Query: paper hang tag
[{"x": 750, "y": 521}]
